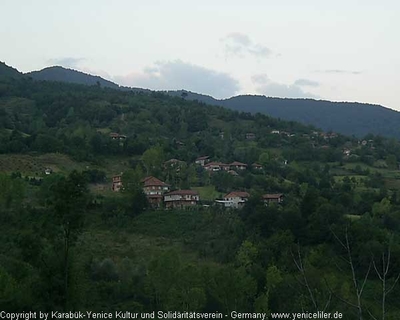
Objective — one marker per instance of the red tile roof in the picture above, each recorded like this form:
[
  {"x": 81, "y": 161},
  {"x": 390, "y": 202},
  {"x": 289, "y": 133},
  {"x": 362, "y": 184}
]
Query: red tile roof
[
  {"x": 272, "y": 196},
  {"x": 202, "y": 158},
  {"x": 152, "y": 181},
  {"x": 237, "y": 194},
  {"x": 214, "y": 164},
  {"x": 237, "y": 163},
  {"x": 182, "y": 193}
]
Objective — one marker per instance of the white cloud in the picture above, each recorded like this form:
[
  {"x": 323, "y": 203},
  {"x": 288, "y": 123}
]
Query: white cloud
[
  {"x": 68, "y": 62},
  {"x": 176, "y": 75},
  {"x": 274, "y": 89},
  {"x": 261, "y": 78},
  {"x": 239, "y": 45},
  {"x": 339, "y": 71},
  {"x": 306, "y": 82}
]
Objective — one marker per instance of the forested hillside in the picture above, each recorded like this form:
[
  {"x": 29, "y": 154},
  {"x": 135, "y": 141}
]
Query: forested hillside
[
  {"x": 68, "y": 242},
  {"x": 349, "y": 118}
]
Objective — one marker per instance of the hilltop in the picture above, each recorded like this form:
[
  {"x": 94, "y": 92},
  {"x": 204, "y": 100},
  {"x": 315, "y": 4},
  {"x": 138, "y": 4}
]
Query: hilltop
[
  {"x": 62, "y": 74},
  {"x": 7, "y": 71}
]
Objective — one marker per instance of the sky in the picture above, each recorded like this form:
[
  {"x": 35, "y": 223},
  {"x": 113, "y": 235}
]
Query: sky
[{"x": 343, "y": 50}]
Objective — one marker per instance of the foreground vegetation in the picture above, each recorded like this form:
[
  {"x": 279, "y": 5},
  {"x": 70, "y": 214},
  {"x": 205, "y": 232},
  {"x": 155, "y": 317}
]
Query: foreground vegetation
[{"x": 67, "y": 244}]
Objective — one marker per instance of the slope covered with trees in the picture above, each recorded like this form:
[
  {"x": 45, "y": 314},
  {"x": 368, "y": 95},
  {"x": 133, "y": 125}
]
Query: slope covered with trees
[
  {"x": 67, "y": 242},
  {"x": 349, "y": 118}
]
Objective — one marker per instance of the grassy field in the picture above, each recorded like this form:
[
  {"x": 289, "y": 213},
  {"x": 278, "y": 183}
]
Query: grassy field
[
  {"x": 391, "y": 177},
  {"x": 387, "y": 173},
  {"x": 208, "y": 193},
  {"x": 34, "y": 165},
  {"x": 359, "y": 178}
]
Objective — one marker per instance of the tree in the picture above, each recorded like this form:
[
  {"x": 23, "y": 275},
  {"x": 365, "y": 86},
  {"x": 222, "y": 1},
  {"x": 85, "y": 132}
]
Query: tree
[
  {"x": 382, "y": 270},
  {"x": 358, "y": 285},
  {"x": 69, "y": 199},
  {"x": 380, "y": 209},
  {"x": 11, "y": 192},
  {"x": 391, "y": 161},
  {"x": 152, "y": 159}
]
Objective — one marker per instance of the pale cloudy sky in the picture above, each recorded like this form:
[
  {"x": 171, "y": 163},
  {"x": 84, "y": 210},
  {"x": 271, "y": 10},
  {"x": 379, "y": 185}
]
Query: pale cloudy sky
[{"x": 343, "y": 50}]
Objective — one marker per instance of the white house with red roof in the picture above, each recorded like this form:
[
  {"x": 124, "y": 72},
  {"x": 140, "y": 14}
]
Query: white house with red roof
[
  {"x": 217, "y": 166},
  {"x": 181, "y": 198},
  {"x": 272, "y": 198},
  {"x": 234, "y": 199},
  {"x": 236, "y": 165}
]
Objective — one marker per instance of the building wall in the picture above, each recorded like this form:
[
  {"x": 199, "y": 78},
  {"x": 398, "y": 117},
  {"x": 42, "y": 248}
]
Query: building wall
[{"x": 234, "y": 202}]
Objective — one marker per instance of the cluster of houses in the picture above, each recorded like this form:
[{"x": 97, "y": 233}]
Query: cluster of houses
[
  {"x": 229, "y": 167},
  {"x": 237, "y": 199},
  {"x": 160, "y": 195}
]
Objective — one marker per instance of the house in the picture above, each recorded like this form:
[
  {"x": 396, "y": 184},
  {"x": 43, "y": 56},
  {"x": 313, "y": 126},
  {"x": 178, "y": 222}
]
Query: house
[
  {"x": 250, "y": 136},
  {"x": 275, "y": 131},
  {"x": 238, "y": 166},
  {"x": 179, "y": 144},
  {"x": 202, "y": 160},
  {"x": 172, "y": 163},
  {"x": 154, "y": 190},
  {"x": 257, "y": 166},
  {"x": 234, "y": 199},
  {"x": 217, "y": 166},
  {"x": 323, "y": 135},
  {"x": 225, "y": 166},
  {"x": 213, "y": 166},
  {"x": 332, "y": 135},
  {"x": 272, "y": 198},
  {"x": 114, "y": 135},
  {"x": 181, "y": 198},
  {"x": 117, "y": 136},
  {"x": 116, "y": 183},
  {"x": 48, "y": 171},
  {"x": 346, "y": 152}
]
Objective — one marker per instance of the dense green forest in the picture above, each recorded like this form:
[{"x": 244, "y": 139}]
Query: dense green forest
[
  {"x": 349, "y": 118},
  {"x": 67, "y": 242}
]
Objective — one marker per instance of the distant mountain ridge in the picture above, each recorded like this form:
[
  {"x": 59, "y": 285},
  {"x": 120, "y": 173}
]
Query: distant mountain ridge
[
  {"x": 350, "y": 118},
  {"x": 62, "y": 74},
  {"x": 7, "y": 71}
]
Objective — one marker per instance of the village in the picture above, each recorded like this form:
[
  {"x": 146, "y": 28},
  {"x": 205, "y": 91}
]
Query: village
[{"x": 160, "y": 195}]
